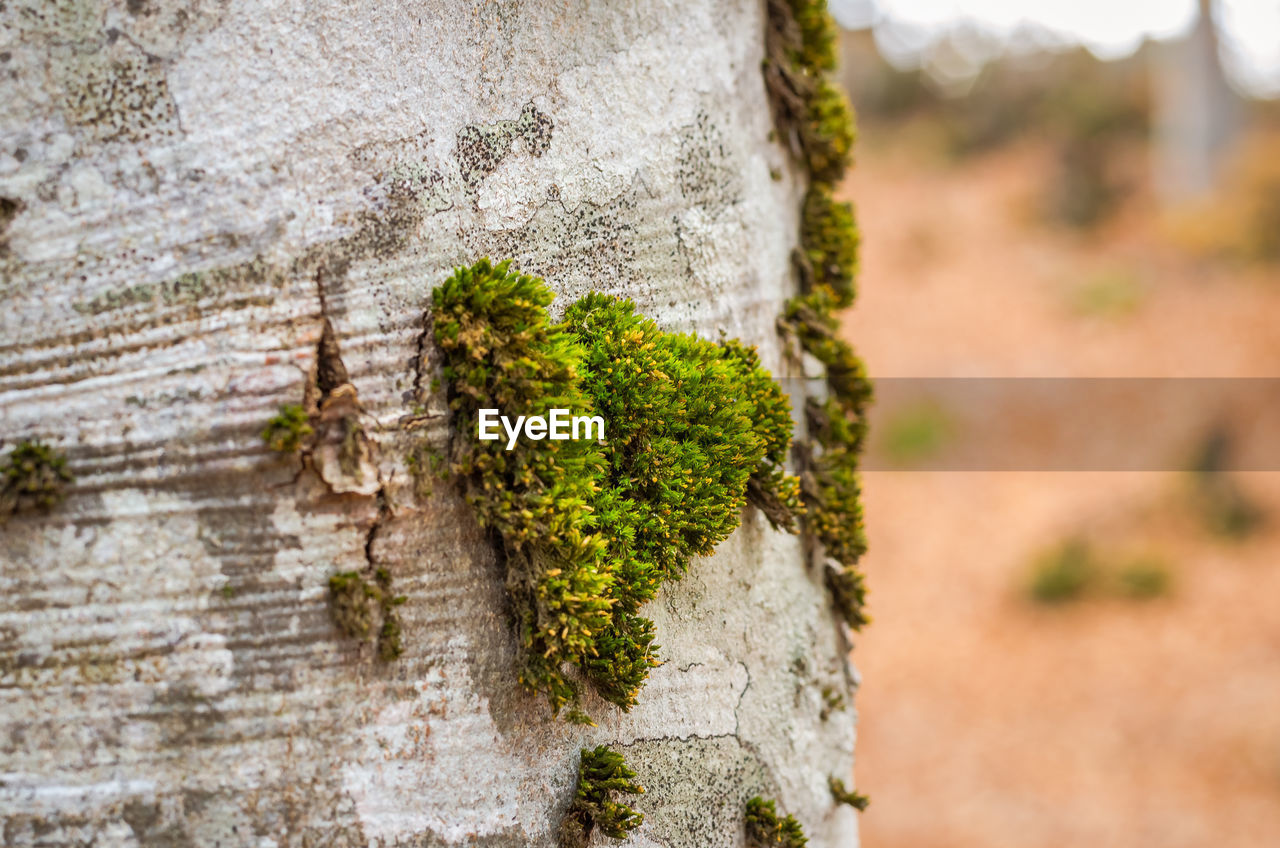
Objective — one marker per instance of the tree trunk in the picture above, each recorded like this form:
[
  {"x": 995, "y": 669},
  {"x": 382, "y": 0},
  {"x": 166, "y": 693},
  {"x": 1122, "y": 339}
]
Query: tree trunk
[
  {"x": 214, "y": 209},
  {"x": 1197, "y": 114}
]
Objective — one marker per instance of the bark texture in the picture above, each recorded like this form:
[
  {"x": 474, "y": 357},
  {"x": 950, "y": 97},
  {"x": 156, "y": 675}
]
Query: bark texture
[{"x": 193, "y": 193}]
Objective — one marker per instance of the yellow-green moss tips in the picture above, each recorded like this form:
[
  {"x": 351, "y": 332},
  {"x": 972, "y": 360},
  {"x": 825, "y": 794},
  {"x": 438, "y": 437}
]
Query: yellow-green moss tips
[
  {"x": 287, "y": 429},
  {"x": 766, "y": 830},
  {"x": 33, "y": 477},
  {"x": 829, "y": 237},
  {"x": 589, "y": 530},
  {"x": 602, "y": 773}
]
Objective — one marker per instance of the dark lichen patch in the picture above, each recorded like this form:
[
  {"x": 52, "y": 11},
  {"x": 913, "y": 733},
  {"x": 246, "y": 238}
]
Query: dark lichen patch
[
  {"x": 589, "y": 531},
  {"x": 602, "y": 775},
  {"x": 34, "y": 476},
  {"x": 355, "y": 603},
  {"x": 113, "y": 91},
  {"x": 766, "y": 830},
  {"x": 588, "y": 243},
  {"x": 702, "y": 170},
  {"x": 480, "y": 149},
  {"x": 186, "y": 289},
  {"x": 842, "y": 795},
  {"x": 696, "y": 789}
]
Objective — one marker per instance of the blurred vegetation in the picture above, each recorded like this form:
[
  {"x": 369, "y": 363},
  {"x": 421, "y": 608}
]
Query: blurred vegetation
[
  {"x": 1144, "y": 578},
  {"x": 1075, "y": 569},
  {"x": 1085, "y": 108},
  {"x": 1112, "y": 293},
  {"x": 1224, "y": 508},
  {"x": 1064, "y": 573},
  {"x": 1241, "y": 221},
  {"x": 916, "y": 433},
  {"x": 1096, "y": 116}
]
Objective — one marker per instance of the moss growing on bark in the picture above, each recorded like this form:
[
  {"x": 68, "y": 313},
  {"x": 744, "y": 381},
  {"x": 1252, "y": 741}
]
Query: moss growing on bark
[
  {"x": 814, "y": 115},
  {"x": 842, "y": 795},
  {"x": 766, "y": 830},
  {"x": 590, "y": 530},
  {"x": 287, "y": 428},
  {"x": 602, "y": 774},
  {"x": 353, "y": 601},
  {"x": 830, "y": 239},
  {"x": 33, "y": 477}
]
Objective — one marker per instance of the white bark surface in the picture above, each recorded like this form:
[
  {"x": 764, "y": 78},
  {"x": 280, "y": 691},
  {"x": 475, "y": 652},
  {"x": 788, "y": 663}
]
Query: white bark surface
[{"x": 198, "y": 187}]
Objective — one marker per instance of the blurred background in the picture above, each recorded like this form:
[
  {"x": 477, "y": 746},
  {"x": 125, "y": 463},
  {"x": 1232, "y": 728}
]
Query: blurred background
[{"x": 1076, "y": 189}]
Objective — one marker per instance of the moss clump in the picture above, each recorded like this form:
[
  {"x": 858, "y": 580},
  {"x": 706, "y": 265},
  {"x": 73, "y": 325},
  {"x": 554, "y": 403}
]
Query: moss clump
[
  {"x": 601, "y": 774},
  {"x": 829, "y": 235},
  {"x": 827, "y": 132},
  {"x": 815, "y": 116},
  {"x": 766, "y": 830},
  {"x": 33, "y": 477},
  {"x": 810, "y": 111},
  {"x": 590, "y": 531},
  {"x": 287, "y": 429},
  {"x": 352, "y": 603},
  {"x": 842, "y": 795},
  {"x": 832, "y": 486}
]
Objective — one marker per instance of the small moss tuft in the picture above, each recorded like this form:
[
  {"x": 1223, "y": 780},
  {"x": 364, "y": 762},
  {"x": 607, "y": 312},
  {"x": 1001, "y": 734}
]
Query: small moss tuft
[
  {"x": 33, "y": 477},
  {"x": 601, "y": 773},
  {"x": 352, "y": 602},
  {"x": 766, "y": 830},
  {"x": 287, "y": 429},
  {"x": 590, "y": 530},
  {"x": 842, "y": 795}
]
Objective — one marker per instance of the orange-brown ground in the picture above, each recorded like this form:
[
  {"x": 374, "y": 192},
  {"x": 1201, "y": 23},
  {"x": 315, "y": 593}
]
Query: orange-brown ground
[{"x": 986, "y": 719}]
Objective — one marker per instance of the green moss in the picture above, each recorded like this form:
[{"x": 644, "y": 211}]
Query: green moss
[
  {"x": 827, "y": 132},
  {"x": 837, "y": 428},
  {"x": 830, "y": 238},
  {"x": 353, "y": 602},
  {"x": 831, "y": 702},
  {"x": 815, "y": 115},
  {"x": 800, "y": 47},
  {"x": 817, "y": 31},
  {"x": 602, "y": 773},
  {"x": 766, "y": 830},
  {"x": 426, "y": 465},
  {"x": 287, "y": 429},
  {"x": 33, "y": 477},
  {"x": 842, "y": 795},
  {"x": 590, "y": 531}
]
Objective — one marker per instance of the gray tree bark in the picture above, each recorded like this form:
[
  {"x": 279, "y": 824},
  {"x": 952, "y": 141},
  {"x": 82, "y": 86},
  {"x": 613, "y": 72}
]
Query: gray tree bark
[{"x": 193, "y": 191}]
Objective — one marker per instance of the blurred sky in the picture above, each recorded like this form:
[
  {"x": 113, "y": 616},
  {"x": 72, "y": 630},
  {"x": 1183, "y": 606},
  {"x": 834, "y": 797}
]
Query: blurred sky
[{"x": 906, "y": 29}]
